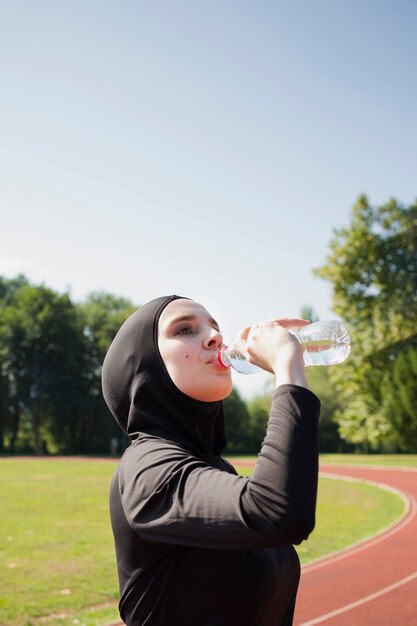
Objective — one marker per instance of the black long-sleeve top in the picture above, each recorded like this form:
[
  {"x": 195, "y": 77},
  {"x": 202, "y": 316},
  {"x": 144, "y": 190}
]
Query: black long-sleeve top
[{"x": 198, "y": 545}]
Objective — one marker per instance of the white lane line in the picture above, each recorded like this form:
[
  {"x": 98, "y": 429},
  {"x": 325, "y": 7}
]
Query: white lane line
[{"x": 352, "y": 605}]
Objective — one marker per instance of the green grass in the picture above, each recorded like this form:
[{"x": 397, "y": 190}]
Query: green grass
[
  {"x": 395, "y": 460},
  {"x": 390, "y": 460},
  {"x": 56, "y": 548},
  {"x": 56, "y": 545}
]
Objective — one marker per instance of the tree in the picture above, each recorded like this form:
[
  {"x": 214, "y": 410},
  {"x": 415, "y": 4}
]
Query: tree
[
  {"x": 51, "y": 352},
  {"x": 102, "y": 315},
  {"x": 9, "y": 287},
  {"x": 258, "y": 409},
  {"x": 320, "y": 382},
  {"x": 399, "y": 400},
  {"x": 9, "y": 410},
  {"x": 41, "y": 345},
  {"x": 308, "y": 313},
  {"x": 372, "y": 267},
  {"x": 236, "y": 423}
]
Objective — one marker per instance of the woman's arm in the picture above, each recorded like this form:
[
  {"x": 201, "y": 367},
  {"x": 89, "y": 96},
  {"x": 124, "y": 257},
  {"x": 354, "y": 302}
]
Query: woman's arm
[{"x": 169, "y": 496}]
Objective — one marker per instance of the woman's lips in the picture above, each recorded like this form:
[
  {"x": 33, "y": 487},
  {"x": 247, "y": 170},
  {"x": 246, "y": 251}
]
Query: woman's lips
[{"x": 215, "y": 362}]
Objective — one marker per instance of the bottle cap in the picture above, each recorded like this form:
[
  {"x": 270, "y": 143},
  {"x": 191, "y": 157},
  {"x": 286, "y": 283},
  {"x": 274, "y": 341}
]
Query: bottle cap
[{"x": 220, "y": 357}]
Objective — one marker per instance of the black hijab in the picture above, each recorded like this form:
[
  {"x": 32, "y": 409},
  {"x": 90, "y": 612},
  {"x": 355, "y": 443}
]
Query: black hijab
[{"x": 141, "y": 395}]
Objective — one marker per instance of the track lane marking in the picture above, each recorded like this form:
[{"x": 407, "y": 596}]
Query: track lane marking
[{"x": 352, "y": 605}]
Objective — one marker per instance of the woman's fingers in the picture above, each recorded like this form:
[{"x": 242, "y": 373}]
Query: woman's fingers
[
  {"x": 286, "y": 322},
  {"x": 292, "y": 322},
  {"x": 241, "y": 339},
  {"x": 262, "y": 332},
  {"x": 244, "y": 332}
]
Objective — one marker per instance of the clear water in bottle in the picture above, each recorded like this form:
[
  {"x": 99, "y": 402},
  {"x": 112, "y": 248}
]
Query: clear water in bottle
[{"x": 324, "y": 343}]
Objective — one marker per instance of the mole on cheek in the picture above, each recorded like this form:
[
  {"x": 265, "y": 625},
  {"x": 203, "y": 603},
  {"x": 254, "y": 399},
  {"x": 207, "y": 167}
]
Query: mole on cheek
[{"x": 186, "y": 356}]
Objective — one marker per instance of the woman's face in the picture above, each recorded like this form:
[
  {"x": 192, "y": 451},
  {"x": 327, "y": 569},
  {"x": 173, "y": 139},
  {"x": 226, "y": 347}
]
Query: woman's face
[{"x": 188, "y": 340}]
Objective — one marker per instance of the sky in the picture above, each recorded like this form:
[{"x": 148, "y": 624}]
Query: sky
[{"x": 207, "y": 149}]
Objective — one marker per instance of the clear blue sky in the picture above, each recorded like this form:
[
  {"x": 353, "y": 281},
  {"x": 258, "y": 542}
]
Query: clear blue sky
[{"x": 200, "y": 148}]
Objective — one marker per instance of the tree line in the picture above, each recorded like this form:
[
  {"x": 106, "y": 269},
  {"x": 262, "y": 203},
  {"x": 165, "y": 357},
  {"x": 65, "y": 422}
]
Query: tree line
[{"x": 51, "y": 351}]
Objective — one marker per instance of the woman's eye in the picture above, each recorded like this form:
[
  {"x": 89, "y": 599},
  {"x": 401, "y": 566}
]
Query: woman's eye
[{"x": 185, "y": 330}]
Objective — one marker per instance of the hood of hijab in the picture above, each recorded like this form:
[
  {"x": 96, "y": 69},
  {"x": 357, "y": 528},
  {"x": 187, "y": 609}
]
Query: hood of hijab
[{"x": 141, "y": 395}]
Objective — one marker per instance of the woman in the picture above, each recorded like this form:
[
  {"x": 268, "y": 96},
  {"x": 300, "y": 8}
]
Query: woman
[{"x": 196, "y": 544}]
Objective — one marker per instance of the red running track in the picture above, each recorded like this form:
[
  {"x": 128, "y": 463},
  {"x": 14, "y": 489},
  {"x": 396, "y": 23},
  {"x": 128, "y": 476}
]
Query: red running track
[{"x": 375, "y": 582}]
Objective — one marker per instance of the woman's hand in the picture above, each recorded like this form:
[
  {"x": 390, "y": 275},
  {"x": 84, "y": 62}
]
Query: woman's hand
[{"x": 270, "y": 346}]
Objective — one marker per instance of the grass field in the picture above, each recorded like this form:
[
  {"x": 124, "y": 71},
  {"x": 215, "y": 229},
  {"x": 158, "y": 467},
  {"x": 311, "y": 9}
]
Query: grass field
[
  {"x": 395, "y": 460},
  {"x": 56, "y": 548}
]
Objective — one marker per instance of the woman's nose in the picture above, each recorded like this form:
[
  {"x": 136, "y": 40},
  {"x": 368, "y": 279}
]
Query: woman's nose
[{"x": 213, "y": 340}]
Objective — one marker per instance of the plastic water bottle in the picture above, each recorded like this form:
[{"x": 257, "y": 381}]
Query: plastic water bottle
[{"x": 324, "y": 343}]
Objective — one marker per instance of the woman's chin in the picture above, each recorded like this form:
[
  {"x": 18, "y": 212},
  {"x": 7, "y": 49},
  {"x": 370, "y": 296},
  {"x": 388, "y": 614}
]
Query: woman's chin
[{"x": 212, "y": 394}]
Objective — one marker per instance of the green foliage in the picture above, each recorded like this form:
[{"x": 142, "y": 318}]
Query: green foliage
[
  {"x": 8, "y": 288},
  {"x": 237, "y": 424},
  {"x": 41, "y": 350},
  {"x": 51, "y": 352},
  {"x": 372, "y": 267},
  {"x": 308, "y": 313},
  {"x": 321, "y": 383},
  {"x": 246, "y": 423},
  {"x": 259, "y": 414},
  {"x": 103, "y": 314},
  {"x": 399, "y": 399}
]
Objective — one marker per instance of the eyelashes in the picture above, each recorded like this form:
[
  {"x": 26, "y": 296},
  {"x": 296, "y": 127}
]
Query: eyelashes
[
  {"x": 184, "y": 330},
  {"x": 189, "y": 330}
]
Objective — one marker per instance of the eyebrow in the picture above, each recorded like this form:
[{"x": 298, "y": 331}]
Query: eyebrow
[{"x": 192, "y": 318}]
